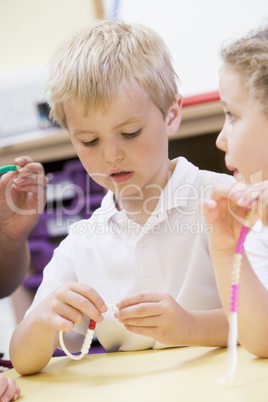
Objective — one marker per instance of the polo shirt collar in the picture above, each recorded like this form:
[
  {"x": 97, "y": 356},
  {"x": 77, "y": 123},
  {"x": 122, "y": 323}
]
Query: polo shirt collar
[
  {"x": 175, "y": 194},
  {"x": 108, "y": 208},
  {"x": 180, "y": 185}
]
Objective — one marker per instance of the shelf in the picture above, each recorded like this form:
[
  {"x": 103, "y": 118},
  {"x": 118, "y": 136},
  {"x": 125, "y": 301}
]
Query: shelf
[
  {"x": 54, "y": 144},
  {"x": 48, "y": 145},
  {"x": 202, "y": 118}
]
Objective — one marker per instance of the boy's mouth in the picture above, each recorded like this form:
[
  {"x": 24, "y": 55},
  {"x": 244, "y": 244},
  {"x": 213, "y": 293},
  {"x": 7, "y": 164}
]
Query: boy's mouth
[
  {"x": 119, "y": 173},
  {"x": 120, "y": 176}
]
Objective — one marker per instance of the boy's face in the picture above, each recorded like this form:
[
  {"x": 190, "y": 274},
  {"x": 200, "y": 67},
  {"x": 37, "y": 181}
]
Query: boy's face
[
  {"x": 124, "y": 147},
  {"x": 244, "y": 137}
]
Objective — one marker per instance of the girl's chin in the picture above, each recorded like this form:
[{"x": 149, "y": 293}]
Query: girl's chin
[{"x": 238, "y": 176}]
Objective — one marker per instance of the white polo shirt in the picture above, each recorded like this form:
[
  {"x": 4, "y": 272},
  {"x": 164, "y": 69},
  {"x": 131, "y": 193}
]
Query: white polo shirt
[{"x": 118, "y": 257}]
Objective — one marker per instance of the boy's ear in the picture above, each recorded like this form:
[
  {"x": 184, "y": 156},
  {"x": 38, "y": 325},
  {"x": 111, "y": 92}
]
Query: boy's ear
[{"x": 173, "y": 119}]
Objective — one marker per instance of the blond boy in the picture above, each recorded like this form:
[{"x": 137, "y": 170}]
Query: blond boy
[{"x": 145, "y": 250}]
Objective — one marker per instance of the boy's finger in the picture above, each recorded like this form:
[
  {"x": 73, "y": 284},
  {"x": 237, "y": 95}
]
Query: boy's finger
[
  {"x": 88, "y": 301},
  {"x": 136, "y": 314},
  {"x": 139, "y": 298}
]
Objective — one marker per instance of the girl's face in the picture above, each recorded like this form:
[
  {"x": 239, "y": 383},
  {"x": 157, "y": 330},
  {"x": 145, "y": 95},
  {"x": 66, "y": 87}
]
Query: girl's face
[{"x": 244, "y": 136}]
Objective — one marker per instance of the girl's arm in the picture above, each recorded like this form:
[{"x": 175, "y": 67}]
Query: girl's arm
[{"x": 227, "y": 215}]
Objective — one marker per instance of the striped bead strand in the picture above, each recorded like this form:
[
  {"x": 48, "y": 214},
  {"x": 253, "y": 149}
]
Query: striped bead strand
[
  {"x": 88, "y": 338},
  {"x": 8, "y": 168},
  {"x": 233, "y": 308},
  {"x": 237, "y": 262}
]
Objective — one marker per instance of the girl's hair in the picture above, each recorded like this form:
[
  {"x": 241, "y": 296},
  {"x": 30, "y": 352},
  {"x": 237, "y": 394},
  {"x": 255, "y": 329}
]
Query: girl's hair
[
  {"x": 248, "y": 57},
  {"x": 96, "y": 64}
]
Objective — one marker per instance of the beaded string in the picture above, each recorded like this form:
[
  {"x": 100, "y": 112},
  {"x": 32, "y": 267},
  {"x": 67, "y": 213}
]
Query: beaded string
[
  {"x": 233, "y": 308},
  {"x": 86, "y": 344},
  {"x": 8, "y": 168},
  {"x": 87, "y": 341}
]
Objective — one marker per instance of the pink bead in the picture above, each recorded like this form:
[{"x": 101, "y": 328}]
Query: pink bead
[
  {"x": 234, "y": 298},
  {"x": 241, "y": 240}
]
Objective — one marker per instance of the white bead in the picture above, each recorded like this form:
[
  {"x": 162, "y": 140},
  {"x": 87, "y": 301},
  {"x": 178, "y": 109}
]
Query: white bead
[{"x": 111, "y": 308}]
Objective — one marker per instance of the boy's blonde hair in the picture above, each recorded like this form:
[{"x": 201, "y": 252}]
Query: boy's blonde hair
[
  {"x": 248, "y": 57},
  {"x": 95, "y": 65}
]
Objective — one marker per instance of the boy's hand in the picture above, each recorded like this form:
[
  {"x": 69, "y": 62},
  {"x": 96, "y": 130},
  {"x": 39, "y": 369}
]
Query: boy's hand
[
  {"x": 157, "y": 315},
  {"x": 9, "y": 390},
  {"x": 64, "y": 307},
  {"x": 36, "y": 337}
]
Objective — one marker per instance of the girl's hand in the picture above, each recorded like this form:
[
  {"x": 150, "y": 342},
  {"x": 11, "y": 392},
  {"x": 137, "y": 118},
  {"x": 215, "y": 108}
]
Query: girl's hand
[
  {"x": 256, "y": 198},
  {"x": 224, "y": 216}
]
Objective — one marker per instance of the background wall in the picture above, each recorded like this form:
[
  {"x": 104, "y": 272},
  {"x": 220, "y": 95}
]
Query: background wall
[
  {"x": 194, "y": 31},
  {"x": 30, "y": 30}
]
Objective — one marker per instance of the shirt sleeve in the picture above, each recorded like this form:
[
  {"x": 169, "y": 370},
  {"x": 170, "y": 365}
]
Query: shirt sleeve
[{"x": 58, "y": 271}]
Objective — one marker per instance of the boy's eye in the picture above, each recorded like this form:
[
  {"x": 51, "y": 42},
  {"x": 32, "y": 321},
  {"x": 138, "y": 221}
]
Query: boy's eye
[
  {"x": 90, "y": 143},
  {"x": 132, "y": 135}
]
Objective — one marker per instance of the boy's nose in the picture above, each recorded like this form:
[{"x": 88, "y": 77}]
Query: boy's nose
[
  {"x": 112, "y": 153},
  {"x": 221, "y": 141}
]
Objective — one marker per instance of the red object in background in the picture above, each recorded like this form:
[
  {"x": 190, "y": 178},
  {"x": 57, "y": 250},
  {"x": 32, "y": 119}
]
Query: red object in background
[{"x": 195, "y": 99}]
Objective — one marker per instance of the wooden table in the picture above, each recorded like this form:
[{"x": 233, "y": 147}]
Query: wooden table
[{"x": 179, "y": 374}]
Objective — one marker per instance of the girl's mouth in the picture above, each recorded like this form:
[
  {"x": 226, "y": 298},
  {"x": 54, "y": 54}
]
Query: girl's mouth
[{"x": 237, "y": 175}]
